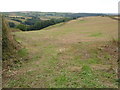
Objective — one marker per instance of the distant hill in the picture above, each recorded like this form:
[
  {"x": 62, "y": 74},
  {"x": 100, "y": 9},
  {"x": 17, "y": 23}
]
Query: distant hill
[
  {"x": 84, "y": 14},
  {"x": 52, "y": 14},
  {"x": 28, "y": 20}
]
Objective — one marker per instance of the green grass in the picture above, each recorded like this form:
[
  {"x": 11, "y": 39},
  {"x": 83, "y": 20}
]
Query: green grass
[
  {"x": 67, "y": 56},
  {"x": 23, "y": 52},
  {"x": 96, "y": 35},
  {"x": 89, "y": 78},
  {"x": 60, "y": 81},
  {"x": 18, "y": 83}
]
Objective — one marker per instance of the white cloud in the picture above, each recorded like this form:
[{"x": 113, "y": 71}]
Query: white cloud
[{"x": 97, "y": 6}]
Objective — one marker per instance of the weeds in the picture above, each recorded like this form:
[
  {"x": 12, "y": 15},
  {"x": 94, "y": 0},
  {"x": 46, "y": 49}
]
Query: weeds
[{"x": 23, "y": 52}]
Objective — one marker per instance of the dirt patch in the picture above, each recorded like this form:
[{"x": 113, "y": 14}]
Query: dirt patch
[
  {"x": 74, "y": 69},
  {"x": 101, "y": 67}
]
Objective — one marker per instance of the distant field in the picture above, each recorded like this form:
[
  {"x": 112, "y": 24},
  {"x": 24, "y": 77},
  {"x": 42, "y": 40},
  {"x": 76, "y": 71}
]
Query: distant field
[
  {"x": 10, "y": 17},
  {"x": 75, "y": 54}
]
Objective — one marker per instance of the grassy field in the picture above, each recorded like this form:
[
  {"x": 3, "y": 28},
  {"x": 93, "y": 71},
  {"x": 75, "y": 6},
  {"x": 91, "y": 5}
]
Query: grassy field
[{"x": 77, "y": 54}]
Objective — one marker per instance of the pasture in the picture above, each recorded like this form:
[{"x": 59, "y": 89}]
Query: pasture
[{"x": 81, "y": 53}]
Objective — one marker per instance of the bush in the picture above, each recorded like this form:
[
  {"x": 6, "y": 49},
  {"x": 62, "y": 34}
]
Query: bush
[
  {"x": 17, "y": 20},
  {"x": 11, "y": 24},
  {"x": 22, "y": 27}
]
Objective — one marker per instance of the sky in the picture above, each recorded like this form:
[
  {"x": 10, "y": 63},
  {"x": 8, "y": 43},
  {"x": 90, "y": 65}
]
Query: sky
[{"x": 76, "y": 6}]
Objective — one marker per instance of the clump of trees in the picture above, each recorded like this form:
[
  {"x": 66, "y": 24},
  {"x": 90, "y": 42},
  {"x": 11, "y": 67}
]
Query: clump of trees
[
  {"x": 37, "y": 24},
  {"x": 17, "y": 20},
  {"x": 22, "y": 27},
  {"x": 11, "y": 24},
  {"x": 31, "y": 21}
]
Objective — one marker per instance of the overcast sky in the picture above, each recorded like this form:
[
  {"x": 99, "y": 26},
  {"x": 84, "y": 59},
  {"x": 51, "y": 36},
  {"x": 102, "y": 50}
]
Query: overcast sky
[{"x": 90, "y": 6}]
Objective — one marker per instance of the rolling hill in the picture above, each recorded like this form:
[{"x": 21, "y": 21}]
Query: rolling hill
[{"x": 81, "y": 53}]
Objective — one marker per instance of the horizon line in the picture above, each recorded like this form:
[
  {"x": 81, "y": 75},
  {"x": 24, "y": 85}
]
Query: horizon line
[{"x": 62, "y": 12}]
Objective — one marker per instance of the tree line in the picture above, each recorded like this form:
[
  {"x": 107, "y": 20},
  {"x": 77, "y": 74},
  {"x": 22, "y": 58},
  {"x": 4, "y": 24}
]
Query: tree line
[{"x": 37, "y": 24}]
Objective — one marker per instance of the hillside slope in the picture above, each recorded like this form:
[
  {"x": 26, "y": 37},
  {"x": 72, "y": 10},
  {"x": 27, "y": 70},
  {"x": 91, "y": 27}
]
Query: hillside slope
[
  {"x": 76, "y": 54},
  {"x": 11, "y": 50},
  {"x": 9, "y": 45}
]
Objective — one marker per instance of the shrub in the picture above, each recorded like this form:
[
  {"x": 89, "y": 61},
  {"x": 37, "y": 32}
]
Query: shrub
[
  {"x": 22, "y": 27},
  {"x": 11, "y": 24}
]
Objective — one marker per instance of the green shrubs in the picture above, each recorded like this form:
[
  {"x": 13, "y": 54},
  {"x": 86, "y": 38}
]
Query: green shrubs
[
  {"x": 11, "y": 24},
  {"x": 22, "y": 27}
]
